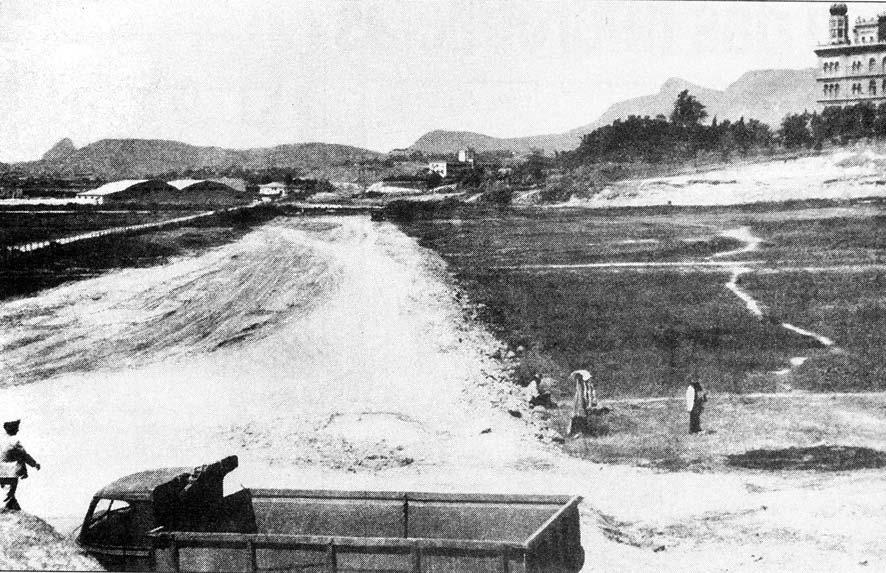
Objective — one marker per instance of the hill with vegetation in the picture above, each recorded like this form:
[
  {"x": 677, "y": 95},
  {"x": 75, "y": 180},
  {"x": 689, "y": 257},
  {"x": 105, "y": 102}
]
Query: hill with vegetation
[
  {"x": 766, "y": 95},
  {"x": 136, "y": 158}
]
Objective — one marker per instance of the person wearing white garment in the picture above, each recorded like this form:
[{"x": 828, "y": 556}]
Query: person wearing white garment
[
  {"x": 585, "y": 399},
  {"x": 14, "y": 462},
  {"x": 695, "y": 399}
]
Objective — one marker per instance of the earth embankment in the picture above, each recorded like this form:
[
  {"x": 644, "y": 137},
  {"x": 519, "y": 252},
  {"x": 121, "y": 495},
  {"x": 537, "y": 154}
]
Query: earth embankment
[
  {"x": 842, "y": 174},
  {"x": 28, "y": 543}
]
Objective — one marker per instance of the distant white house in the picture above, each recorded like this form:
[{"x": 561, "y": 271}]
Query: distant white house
[
  {"x": 438, "y": 167},
  {"x": 454, "y": 168},
  {"x": 275, "y": 190}
]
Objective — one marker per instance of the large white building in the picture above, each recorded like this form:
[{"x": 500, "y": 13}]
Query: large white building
[{"x": 852, "y": 71}]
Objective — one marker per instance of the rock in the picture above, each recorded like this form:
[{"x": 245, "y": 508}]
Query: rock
[
  {"x": 515, "y": 413},
  {"x": 510, "y": 354},
  {"x": 659, "y": 549},
  {"x": 521, "y": 349},
  {"x": 486, "y": 430}
]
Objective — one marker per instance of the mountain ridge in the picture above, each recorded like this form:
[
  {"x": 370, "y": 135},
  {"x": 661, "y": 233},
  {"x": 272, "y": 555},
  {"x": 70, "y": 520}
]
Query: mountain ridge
[
  {"x": 116, "y": 158},
  {"x": 767, "y": 95}
]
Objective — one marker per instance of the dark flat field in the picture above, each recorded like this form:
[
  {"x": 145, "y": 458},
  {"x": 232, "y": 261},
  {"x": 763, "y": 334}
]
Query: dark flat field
[
  {"x": 20, "y": 226},
  {"x": 647, "y": 331}
]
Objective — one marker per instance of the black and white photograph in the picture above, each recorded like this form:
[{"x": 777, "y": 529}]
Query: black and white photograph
[{"x": 461, "y": 286}]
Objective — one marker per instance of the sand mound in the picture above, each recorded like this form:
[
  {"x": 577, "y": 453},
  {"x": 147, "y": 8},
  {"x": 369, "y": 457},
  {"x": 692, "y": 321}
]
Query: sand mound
[{"x": 29, "y": 543}]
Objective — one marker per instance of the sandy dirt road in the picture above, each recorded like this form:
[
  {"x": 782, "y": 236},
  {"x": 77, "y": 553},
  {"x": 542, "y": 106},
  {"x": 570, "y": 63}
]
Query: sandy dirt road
[{"x": 332, "y": 353}]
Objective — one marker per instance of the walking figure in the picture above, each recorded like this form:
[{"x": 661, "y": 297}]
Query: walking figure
[
  {"x": 14, "y": 462},
  {"x": 585, "y": 399},
  {"x": 695, "y": 399}
]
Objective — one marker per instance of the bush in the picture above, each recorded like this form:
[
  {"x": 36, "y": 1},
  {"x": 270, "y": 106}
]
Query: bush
[{"x": 497, "y": 193}]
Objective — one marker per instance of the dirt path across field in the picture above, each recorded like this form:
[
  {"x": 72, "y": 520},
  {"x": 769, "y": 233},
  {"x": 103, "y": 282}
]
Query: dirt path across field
[
  {"x": 752, "y": 243},
  {"x": 361, "y": 372}
]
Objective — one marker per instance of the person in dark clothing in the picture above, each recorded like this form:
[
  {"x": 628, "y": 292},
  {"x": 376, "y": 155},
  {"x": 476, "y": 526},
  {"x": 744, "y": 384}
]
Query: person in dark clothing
[
  {"x": 14, "y": 462},
  {"x": 695, "y": 399},
  {"x": 538, "y": 393}
]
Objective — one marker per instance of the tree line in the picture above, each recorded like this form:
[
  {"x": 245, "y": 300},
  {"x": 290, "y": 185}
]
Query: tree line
[
  {"x": 685, "y": 134},
  {"x": 836, "y": 125},
  {"x": 681, "y": 136}
]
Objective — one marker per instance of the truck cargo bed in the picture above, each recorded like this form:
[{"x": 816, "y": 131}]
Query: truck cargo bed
[{"x": 317, "y": 530}]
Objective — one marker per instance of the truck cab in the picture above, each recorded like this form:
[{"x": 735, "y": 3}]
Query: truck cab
[{"x": 121, "y": 514}]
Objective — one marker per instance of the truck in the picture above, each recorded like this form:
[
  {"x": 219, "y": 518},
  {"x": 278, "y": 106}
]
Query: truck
[{"x": 178, "y": 519}]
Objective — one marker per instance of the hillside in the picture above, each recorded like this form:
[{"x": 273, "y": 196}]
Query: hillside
[
  {"x": 28, "y": 543},
  {"x": 652, "y": 105},
  {"x": 767, "y": 95},
  {"x": 441, "y": 141},
  {"x": 121, "y": 158},
  {"x": 60, "y": 151}
]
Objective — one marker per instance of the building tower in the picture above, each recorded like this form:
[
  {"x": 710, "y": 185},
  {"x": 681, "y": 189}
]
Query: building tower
[
  {"x": 839, "y": 27},
  {"x": 852, "y": 71}
]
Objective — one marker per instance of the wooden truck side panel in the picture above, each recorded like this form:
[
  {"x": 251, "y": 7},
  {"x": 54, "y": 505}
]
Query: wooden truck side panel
[{"x": 433, "y": 533}]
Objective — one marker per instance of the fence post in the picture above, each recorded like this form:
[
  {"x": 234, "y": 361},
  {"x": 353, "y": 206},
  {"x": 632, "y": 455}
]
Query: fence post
[
  {"x": 253, "y": 557},
  {"x": 405, "y": 516},
  {"x": 331, "y": 557},
  {"x": 173, "y": 546},
  {"x": 416, "y": 559},
  {"x": 505, "y": 563}
]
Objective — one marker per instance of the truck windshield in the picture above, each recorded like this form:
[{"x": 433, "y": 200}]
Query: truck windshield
[
  {"x": 110, "y": 523},
  {"x": 105, "y": 507}
]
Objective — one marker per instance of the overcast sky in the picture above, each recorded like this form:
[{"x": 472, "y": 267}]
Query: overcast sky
[{"x": 373, "y": 74}]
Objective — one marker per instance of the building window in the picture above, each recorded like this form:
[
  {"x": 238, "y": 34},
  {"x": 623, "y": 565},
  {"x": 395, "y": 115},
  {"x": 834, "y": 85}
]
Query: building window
[
  {"x": 872, "y": 64},
  {"x": 872, "y": 87},
  {"x": 837, "y": 89},
  {"x": 837, "y": 65}
]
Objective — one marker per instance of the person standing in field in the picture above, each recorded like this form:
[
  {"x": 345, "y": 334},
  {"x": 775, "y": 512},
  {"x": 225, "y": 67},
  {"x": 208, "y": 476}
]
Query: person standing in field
[
  {"x": 695, "y": 399},
  {"x": 14, "y": 462},
  {"x": 585, "y": 399}
]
